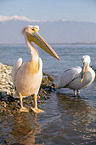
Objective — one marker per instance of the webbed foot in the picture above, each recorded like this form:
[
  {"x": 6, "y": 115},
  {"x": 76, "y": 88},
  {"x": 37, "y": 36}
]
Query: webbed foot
[
  {"x": 36, "y": 110},
  {"x": 24, "y": 109}
]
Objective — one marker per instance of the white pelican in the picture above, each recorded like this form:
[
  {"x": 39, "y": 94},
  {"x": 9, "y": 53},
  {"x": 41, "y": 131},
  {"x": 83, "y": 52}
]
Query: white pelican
[
  {"x": 77, "y": 78},
  {"x": 27, "y": 76}
]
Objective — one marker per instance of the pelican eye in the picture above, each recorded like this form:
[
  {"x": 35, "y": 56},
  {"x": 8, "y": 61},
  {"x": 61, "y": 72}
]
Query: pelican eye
[{"x": 33, "y": 29}]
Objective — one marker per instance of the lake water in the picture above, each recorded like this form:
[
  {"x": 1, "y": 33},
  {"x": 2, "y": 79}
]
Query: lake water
[{"x": 67, "y": 119}]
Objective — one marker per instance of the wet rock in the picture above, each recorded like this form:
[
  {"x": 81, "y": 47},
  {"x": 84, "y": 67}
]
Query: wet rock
[
  {"x": 10, "y": 98},
  {"x": 3, "y": 107},
  {"x": 51, "y": 78},
  {"x": 45, "y": 81},
  {"x": 45, "y": 74},
  {"x": 54, "y": 85}
]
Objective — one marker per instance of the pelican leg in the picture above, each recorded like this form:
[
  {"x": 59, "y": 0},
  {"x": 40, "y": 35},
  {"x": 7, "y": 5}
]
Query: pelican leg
[
  {"x": 75, "y": 93},
  {"x": 23, "y": 109},
  {"x": 78, "y": 92},
  {"x": 35, "y": 109}
]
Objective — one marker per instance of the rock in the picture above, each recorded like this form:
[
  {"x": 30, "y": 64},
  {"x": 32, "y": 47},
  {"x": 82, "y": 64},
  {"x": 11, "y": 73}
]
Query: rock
[
  {"x": 5, "y": 79},
  {"x": 46, "y": 81},
  {"x": 45, "y": 74},
  {"x": 54, "y": 85},
  {"x": 51, "y": 78},
  {"x": 5, "y": 91}
]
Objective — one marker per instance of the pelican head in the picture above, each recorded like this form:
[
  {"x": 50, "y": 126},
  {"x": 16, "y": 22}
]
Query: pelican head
[
  {"x": 31, "y": 34},
  {"x": 86, "y": 61}
]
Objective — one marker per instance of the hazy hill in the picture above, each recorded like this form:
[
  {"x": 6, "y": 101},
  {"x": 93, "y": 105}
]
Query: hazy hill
[{"x": 54, "y": 32}]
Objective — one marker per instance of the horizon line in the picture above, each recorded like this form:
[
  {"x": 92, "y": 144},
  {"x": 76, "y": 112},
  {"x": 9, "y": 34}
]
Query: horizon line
[{"x": 55, "y": 43}]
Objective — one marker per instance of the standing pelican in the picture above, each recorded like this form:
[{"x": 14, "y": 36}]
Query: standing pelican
[
  {"x": 77, "y": 78},
  {"x": 27, "y": 76}
]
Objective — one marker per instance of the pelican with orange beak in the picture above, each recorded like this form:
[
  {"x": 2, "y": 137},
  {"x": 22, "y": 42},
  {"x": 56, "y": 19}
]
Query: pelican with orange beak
[
  {"x": 27, "y": 76},
  {"x": 77, "y": 78}
]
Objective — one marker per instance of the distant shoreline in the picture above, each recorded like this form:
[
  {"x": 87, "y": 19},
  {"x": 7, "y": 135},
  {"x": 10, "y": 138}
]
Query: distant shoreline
[
  {"x": 77, "y": 43},
  {"x": 72, "y": 43}
]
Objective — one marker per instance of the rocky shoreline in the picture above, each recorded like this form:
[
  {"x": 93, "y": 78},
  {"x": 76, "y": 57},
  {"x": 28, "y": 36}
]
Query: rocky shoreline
[{"x": 8, "y": 103}]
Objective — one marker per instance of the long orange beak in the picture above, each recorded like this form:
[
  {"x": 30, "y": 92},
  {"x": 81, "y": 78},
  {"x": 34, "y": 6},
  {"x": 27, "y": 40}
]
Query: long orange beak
[
  {"x": 85, "y": 68},
  {"x": 37, "y": 39}
]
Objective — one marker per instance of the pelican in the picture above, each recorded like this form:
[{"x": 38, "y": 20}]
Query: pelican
[
  {"x": 27, "y": 76},
  {"x": 77, "y": 78}
]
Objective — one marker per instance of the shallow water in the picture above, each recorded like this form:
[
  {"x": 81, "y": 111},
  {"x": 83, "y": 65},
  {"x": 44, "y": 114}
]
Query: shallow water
[{"x": 67, "y": 119}]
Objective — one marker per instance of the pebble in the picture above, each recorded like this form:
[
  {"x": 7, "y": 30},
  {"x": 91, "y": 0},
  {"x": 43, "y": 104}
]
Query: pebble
[{"x": 6, "y": 85}]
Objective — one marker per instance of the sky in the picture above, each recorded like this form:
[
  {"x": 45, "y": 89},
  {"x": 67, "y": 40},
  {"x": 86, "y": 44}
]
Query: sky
[{"x": 50, "y": 10}]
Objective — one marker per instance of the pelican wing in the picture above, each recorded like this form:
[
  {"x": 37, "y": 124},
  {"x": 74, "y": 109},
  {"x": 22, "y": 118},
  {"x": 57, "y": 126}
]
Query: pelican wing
[
  {"x": 15, "y": 69},
  {"x": 68, "y": 75},
  {"x": 94, "y": 67}
]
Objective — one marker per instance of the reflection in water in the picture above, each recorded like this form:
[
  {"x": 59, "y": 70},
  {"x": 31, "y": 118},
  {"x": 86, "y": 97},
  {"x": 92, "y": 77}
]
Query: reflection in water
[
  {"x": 25, "y": 128},
  {"x": 78, "y": 119},
  {"x": 68, "y": 120}
]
